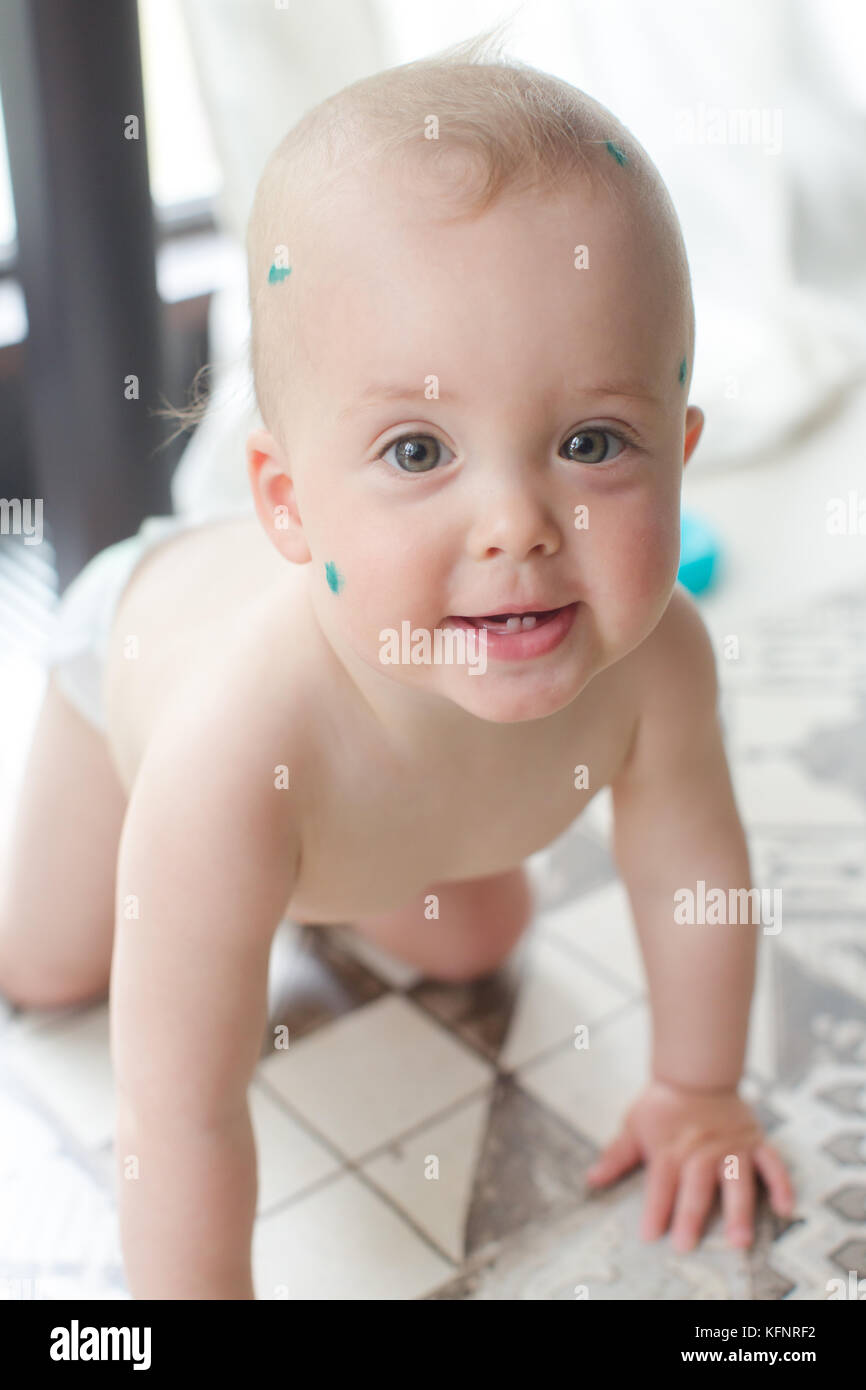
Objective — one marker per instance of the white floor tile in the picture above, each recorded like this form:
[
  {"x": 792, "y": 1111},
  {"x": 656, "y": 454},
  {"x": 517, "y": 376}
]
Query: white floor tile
[
  {"x": 592, "y": 1088},
  {"x": 775, "y": 720},
  {"x": 69, "y": 1068},
  {"x": 373, "y": 1074},
  {"x": 779, "y": 791},
  {"x": 343, "y": 1242},
  {"x": 431, "y": 1173},
  {"x": 601, "y": 925},
  {"x": 88, "y": 1284},
  {"x": 52, "y": 1214},
  {"x": 597, "y": 819},
  {"x": 289, "y": 1157},
  {"x": 557, "y": 993},
  {"x": 24, "y": 1135},
  {"x": 829, "y": 952},
  {"x": 595, "y": 1254}
]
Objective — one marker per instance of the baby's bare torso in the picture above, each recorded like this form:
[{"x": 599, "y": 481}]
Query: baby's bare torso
[{"x": 379, "y": 821}]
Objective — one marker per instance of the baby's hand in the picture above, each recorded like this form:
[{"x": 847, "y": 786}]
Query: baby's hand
[{"x": 688, "y": 1139}]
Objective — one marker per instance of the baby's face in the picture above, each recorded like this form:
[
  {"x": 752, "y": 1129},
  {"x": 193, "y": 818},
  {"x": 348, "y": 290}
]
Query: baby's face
[{"x": 478, "y": 426}]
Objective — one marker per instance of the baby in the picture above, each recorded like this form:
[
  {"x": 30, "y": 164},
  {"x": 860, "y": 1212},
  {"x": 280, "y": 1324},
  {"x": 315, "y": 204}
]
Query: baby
[{"x": 472, "y": 341}]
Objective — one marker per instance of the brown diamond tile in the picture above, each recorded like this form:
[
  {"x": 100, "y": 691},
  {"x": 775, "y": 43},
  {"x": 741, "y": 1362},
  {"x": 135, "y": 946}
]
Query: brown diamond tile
[
  {"x": 478, "y": 1012},
  {"x": 851, "y": 1255},
  {"x": 848, "y": 1099},
  {"x": 531, "y": 1166},
  {"x": 848, "y": 1147},
  {"x": 849, "y": 1202},
  {"x": 313, "y": 980}
]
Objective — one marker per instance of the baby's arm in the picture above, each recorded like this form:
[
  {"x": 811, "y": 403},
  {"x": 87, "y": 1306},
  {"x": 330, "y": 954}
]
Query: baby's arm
[
  {"x": 676, "y": 822},
  {"x": 207, "y": 858}
]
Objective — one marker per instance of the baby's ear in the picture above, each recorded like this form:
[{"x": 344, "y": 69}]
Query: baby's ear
[
  {"x": 694, "y": 427},
  {"x": 274, "y": 496}
]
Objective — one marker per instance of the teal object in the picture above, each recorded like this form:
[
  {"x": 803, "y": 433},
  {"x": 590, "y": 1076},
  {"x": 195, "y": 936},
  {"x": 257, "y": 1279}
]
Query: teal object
[
  {"x": 699, "y": 555},
  {"x": 334, "y": 577}
]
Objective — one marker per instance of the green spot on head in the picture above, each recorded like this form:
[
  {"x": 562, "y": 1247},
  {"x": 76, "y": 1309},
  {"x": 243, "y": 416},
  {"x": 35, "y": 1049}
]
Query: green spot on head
[
  {"x": 682, "y": 371},
  {"x": 334, "y": 577},
  {"x": 278, "y": 273},
  {"x": 618, "y": 154}
]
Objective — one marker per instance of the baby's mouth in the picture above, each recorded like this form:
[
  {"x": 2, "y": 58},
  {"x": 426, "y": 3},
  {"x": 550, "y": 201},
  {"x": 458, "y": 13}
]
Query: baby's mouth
[{"x": 509, "y": 622}]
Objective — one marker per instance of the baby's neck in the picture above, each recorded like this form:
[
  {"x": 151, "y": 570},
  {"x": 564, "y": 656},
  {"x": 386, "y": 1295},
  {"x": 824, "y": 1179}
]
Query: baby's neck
[{"x": 418, "y": 722}]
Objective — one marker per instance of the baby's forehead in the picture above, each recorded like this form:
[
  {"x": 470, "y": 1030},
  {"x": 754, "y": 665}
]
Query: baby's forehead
[
  {"x": 372, "y": 236},
  {"x": 386, "y": 281},
  {"x": 393, "y": 249}
]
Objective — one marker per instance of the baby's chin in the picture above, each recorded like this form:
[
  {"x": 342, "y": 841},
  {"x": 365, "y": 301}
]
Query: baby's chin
[
  {"x": 516, "y": 709},
  {"x": 505, "y": 695}
]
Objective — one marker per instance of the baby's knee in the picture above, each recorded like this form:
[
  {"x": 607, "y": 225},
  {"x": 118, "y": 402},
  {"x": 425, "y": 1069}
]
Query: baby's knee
[
  {"x": 495, "y": 917},
  {"x": 27, "y": 982}
]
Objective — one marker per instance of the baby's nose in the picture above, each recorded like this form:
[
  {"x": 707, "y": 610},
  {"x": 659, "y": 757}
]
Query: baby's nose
[{"x": 516, "y": 522}]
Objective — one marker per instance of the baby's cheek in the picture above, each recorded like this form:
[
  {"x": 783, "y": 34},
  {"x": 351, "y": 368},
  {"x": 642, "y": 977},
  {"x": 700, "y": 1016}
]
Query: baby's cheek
[
  {"x": 643, "y": 570},
  {"x": 384, "y": 581}
]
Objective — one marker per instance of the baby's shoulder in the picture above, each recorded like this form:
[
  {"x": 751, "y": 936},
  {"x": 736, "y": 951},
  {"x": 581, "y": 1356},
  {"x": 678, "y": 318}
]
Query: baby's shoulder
[
  {"x": 674, "y": 668},
  {"x": 230, "y": 747}
]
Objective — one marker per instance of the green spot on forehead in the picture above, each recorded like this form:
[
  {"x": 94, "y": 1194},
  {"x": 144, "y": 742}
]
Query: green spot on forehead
[
  {"x": 618, "y": 154},
  {"x": 335, "y": 579},
  {"x": 682, "y": 371},
  {"x": 278, "y": 273}
]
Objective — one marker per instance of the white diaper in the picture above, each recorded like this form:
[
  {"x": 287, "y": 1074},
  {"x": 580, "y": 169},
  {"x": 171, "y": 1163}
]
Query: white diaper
[{"x": 77, "y": 646}]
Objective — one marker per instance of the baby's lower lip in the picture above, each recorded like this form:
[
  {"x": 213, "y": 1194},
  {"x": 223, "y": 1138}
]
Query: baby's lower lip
[{"x": 546, "y": 633}]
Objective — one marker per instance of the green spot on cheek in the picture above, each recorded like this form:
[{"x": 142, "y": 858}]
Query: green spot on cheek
[
  {"x": 278, "y": 273},
  {"x": 335, "y": 579},
  {"x": 682, "y": 371},
  {"x": 618, "y": 154}
]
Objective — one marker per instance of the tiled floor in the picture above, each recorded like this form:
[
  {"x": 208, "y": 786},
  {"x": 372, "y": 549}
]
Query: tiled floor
[{"x": 419, "y": 1141}]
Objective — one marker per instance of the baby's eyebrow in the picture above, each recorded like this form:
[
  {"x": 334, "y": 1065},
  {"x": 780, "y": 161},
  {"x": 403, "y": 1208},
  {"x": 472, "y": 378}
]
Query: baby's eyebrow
[
  {"x": 388, "y": 391},
  {"x": 372, "y": 395}
]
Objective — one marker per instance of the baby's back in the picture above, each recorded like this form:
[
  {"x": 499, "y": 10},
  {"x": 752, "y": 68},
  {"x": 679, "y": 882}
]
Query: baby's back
[{"x": 173, "y": 619}]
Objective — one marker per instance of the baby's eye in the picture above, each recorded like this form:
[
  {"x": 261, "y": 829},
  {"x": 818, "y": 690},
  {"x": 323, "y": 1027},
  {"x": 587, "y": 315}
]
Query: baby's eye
[
  {"x": 416, "y": 453},
  {"x": 588, "y": 446}
]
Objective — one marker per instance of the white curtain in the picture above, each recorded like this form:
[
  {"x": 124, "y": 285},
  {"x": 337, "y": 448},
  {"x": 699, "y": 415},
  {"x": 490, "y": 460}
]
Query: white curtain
[{"x": 755, "y": 115}]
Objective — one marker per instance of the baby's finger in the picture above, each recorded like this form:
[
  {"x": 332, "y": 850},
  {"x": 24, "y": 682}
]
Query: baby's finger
[
  {"x": 661, "y": 1190},
  {"x": 738, "y": 1203},
  {"x": 617, "y": 1159},
  {"x": 771, "y": 1166},
  {"x": 698, "y": 1178}
]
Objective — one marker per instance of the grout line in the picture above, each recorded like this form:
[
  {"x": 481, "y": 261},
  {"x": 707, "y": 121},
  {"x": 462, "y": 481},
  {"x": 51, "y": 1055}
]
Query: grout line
[{"x": 586, "y": 958}]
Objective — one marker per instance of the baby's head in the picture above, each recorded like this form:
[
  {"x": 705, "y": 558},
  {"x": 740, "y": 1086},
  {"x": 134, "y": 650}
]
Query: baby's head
[{"x": 472, "y": 341}]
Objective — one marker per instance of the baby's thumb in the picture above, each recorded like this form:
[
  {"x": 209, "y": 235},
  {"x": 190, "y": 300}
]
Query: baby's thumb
[{"x": 619, "y": 1156}]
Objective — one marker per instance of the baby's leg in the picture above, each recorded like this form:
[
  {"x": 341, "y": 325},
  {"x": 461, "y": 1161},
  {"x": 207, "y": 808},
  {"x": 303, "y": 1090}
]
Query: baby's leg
[
  {"x": 479, "y": 922},
  {"x": 58, "y": 873}
]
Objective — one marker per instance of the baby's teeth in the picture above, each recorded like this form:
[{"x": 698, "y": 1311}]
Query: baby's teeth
[
  {"x": 520, "y": 622},
  {"x": 515, "y": 622}
]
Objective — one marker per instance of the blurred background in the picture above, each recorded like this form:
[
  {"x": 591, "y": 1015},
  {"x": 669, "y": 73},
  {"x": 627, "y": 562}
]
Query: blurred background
[{"x": 131, "y": 140}]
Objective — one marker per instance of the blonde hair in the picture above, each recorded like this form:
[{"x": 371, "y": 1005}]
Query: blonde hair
[{"x": 524, "y": 129}]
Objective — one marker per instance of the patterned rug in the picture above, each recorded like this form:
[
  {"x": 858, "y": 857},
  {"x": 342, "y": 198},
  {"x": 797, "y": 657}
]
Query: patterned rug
[{"x": 424, "y": 1141}]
